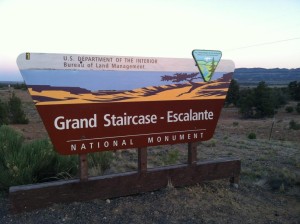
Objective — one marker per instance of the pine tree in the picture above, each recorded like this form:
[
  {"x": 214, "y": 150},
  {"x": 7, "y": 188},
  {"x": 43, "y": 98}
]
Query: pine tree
[
  {"x": 264, "y": 103},
  {"x": 257, "y": 103},
  {"x": 233, "y": 93},
  {"x": 246, "y": 103},
  {"x": 294, "y": 90},
  {"x": 213, "y": 66}
]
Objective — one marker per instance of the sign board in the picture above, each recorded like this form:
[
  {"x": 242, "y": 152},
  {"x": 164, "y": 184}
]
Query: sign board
[{"x": 94, "y": 103}]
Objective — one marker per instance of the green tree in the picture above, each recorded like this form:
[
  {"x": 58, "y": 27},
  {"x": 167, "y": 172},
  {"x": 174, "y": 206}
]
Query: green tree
[
  {"x": 213, "y": 66},
  {"x": 233, "y": 93},
  {"x": 294, "y": 90},
  {"x": 246, "y": 103},
  {"x": 3, "y": 113},
  {"x": 258, "y": 102},
  {"x": 280, "y": 97},
  {"x": 264, "y": 102},
  {"x": 16, "y": 113},
  {"x": 297, "y": 93},
  {"x": 298, "y": 108}
]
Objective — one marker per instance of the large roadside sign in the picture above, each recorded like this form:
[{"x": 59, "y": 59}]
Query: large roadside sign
[{"x": 94, "y": 103}]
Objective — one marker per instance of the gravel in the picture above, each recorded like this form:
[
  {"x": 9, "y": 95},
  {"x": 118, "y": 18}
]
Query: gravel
[{"x": 212, "y": 202}]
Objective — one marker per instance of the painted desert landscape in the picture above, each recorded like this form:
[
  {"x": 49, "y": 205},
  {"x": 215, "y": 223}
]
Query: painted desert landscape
[{"x": 46, "y": 94}]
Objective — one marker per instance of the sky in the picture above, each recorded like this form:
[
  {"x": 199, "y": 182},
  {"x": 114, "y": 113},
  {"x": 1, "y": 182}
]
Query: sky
[{"x": 256, "y": 33}]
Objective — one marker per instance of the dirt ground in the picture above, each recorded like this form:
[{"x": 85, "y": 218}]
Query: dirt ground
[{"x": 269, "y": 190}]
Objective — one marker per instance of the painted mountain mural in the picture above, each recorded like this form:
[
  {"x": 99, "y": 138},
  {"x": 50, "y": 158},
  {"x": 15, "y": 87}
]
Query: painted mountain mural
[{"x": 189, "y": 90}]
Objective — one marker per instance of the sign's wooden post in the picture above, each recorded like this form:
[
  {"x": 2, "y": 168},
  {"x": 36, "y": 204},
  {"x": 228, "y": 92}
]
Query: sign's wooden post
[
  {"x": 142, "y": 159},
  {"x": 192, "y": 153},
  {"x": 83, "y": 167},
  {"x": 234, "y": 181}
]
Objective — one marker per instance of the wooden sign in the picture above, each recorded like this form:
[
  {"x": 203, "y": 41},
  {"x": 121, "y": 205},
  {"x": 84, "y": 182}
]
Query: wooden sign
[{"x": 97, "y": 103}]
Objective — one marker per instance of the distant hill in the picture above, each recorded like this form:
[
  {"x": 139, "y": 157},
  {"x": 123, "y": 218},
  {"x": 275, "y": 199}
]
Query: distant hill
[
  {"x": 75, "y": 90},
  {"x": 274, "y": 76},
  {"x": 15, "y": 84},
  {"x": 6, "y": 83}
]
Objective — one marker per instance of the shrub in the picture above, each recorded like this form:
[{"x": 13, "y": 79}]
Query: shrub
[
  {"x": 3, "y": 113},
  {"x": 27, "y": 163},
  {"x": 298, "y": 108},
  {"x": 289, "y": 109},
  {"x": 280, "y": 179},
  {"x": 235, "y": 124},
  {"x": 258, "y": 102},
  {"x": 20, "y": 86},
  {"x": 171, "y": 157},
  {"x": 210, "y": 143},
  {"x": 233, "y": 93},
  {"x": 294, "y": 90},
  {"x": 279, "y": 96},
  {"x": 252, "y": 135},
  {"x": 16, "y": 113},
  {"x": 100, "y": 160},
  {"x": 294, "y": 125}
]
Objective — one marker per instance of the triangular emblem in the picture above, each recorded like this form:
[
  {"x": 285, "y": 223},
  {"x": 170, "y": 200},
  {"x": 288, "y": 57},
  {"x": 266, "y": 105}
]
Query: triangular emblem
[{"x": 207, "y": 62}]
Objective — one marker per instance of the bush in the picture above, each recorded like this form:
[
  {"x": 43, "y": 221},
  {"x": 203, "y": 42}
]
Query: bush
[
  {"x": 294, "y": 90},
  {"x": 34, "y": 162},
  {"x": 235, "y": 124},
  {"x": 280, "y": 179},
  {"x": 258, "y": 102},
  {"x": 210, "y": 143},
  {"x": 280, "y": 97},
  {"x": 233, "y": 93},
  {"x": 298, "y": 108},
  {"x": 294, "y": 125},
  {"x": 289, "y": 109},
  {"x": 3, "y": 113},
  {"x": 171, "y": 157},
  {"x": 20, "y": 86},
  {"x": 252, "y": 135},
  {"x": 100, "y": 161},
  {"x": 16, "y": 113},
  {"x": 246, "y": 103}
]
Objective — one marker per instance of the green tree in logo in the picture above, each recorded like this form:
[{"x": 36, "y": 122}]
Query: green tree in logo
[{"x": 212, "y": 67}]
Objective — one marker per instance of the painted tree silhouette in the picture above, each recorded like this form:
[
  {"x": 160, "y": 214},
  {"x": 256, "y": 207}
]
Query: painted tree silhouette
[
  {"x": 212, "y": 67},
  {"x": 179, "y": 77}
]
